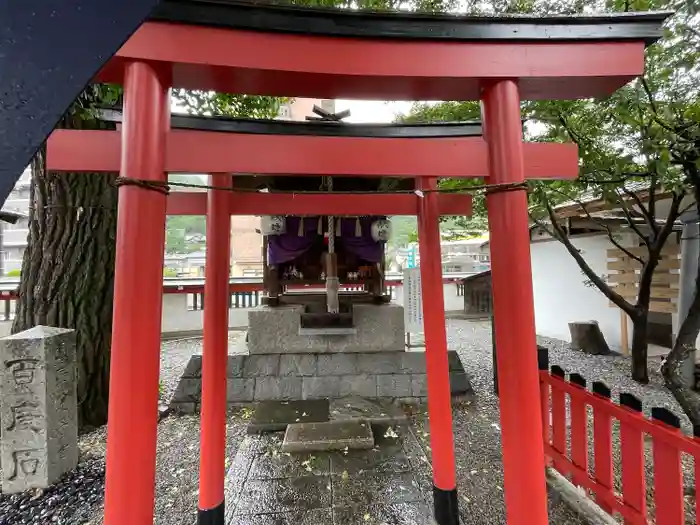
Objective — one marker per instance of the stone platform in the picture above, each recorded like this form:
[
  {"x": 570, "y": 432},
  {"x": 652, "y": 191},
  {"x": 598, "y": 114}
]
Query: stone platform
[
  {"x": 376, "y": 328},
  {"x": 385, "y": 375},
  {"x": 388, "y": 484}
]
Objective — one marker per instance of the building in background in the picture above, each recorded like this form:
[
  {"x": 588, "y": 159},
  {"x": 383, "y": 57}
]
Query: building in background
[
  {"x": 13, "y": 238},
  {"x": 246, "y": 240},
  {"x": 462, "y": 256}
]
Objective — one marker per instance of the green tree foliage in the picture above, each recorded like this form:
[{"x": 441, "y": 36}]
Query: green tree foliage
[
  {"x": 180, "y": 230},
  {"x": 242, "y": 106}
]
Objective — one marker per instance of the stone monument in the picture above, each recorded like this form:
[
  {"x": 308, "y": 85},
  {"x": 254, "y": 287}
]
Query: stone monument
[{"x": 38, "y": 407}]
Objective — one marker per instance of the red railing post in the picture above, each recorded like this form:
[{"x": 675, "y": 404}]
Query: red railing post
[
  {"x": 559, "y": 419},
  {"x": 543, "y": 365},
  {"x": 668, "y": 476},
  {"x": 632, "y": 450},
  {"x": 602, "y": 445},
  {"x": 579, "y": 430}
]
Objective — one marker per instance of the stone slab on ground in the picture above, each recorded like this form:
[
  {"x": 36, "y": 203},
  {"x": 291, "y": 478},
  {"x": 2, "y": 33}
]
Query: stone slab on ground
[
  {"x": 367, "y": 409},
  {"x": 274, "y": 416},
  {"x": 383, "y": 485},
  {"x": 331, "y": 435},
  {"x": 39, "y": 409}
]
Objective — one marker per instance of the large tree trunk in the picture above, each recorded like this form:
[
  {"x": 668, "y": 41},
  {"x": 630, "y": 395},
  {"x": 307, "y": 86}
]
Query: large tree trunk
[
  {"x": 682, "y": 350},
  {"x": 68, "y": 270},
  {"x": 640, "y": 337}
]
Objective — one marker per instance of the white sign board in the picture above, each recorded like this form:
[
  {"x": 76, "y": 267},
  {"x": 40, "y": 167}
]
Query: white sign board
[{"x": 412, "y": 301}]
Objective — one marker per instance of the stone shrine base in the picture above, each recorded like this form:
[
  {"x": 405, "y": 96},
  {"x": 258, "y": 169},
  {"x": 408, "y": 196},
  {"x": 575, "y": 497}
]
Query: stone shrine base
[
  {"x": 274, "y": 377},
  {"x": 375, "y": 328}
]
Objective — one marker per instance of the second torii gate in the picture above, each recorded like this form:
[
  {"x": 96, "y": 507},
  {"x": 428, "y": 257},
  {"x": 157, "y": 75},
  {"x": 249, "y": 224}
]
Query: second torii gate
[{"x": 368, "y": 151}]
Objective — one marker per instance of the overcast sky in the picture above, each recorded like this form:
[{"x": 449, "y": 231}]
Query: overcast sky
[{"x": 372, "y": 110}]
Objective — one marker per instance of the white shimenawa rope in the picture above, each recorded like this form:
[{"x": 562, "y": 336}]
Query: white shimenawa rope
[{"x": 332, "y": 283}]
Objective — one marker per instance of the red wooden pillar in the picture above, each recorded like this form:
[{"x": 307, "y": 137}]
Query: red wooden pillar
[
  {"x": 214, "y": 358},
  {"x": 439, "y": 398},
  {"x": 138, "y": 288},
  {"x": 521, "y": 420}
]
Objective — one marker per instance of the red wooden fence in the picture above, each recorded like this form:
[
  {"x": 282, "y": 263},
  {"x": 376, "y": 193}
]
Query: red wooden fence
[{"x": 568, "y": 410}]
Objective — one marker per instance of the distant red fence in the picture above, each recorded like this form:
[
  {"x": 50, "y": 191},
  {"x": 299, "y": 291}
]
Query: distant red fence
[
  {"x": 244, "y": 292},
  {"x": 566, "y": 404}
]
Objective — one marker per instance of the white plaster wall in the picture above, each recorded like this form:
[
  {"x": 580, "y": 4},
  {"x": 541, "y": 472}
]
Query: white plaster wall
[
  {"x": 560, "y": 294},
  {"x": 176, "y": 318}
]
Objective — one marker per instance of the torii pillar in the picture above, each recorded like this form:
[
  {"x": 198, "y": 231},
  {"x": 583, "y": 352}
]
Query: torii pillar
[
  {"x": 511, "y": 273},
  {"x": 445, "y": 504},
  {"x": 212, "y": 453},
  {"x": 138, "y": 300}
]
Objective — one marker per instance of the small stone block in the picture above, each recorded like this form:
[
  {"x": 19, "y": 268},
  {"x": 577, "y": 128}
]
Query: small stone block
[
  {"x": 274, "y": 416},
  {"x": 183, "y": 408},
  {"x": 362, "y": 385},
  {"x": 277, "y": 388},
  {"x": 320, "y": 387},
  {"x": 240, "y": 390},
  {"x": 413, "y": 363},
  {"x": 194, "y": 367},
  {"x": 380, "y": 363},
  {"x": 394, "y": 385},
  {"x": 298, "y": 365},
  {"x": 459, "y": 383},
  {"x": 234, "y": 365},
  {"x": 261, "y": 365},
  {"x": 337, "y": 364},
  {"x": 189, "y": 390},
  {"x": 454, "y": 361},
  {"x": 419, "y": 385},
  {"x": 332, "y": 435}
]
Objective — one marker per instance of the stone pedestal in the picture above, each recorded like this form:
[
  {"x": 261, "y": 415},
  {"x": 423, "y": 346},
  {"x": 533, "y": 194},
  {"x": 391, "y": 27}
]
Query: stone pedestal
[
  {"x": 378, "y": 328},
  {"x": 285, "y": 364},
  {"x": 38, "y": 407}
]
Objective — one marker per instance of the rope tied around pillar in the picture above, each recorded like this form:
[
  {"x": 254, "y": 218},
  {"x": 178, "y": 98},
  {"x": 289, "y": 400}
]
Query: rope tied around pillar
[
  {"x": 490, "y": 189},
  {"x": 153, "y": 185}
]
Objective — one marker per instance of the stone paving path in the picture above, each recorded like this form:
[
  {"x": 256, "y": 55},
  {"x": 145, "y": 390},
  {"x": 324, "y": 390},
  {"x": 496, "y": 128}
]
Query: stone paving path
[{"x": 387, "y": 485}]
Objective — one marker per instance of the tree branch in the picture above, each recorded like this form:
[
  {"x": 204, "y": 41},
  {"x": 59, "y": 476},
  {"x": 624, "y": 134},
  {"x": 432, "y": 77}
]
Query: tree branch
[
  {"x": 673, "y": 214},
  {"x": 607, "y": 291},
  {"x": 630, "y": 220},
  {"x": 647, "y": 213}
]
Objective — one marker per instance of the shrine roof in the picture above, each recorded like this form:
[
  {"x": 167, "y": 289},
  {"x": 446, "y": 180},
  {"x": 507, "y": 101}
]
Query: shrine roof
[
  {"x": 315, "y": 128},
  {"x": 234, "y": 14}
]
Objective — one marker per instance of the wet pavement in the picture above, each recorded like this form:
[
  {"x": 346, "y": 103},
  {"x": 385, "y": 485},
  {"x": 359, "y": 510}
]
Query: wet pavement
[{"x": 386, "y": 485}]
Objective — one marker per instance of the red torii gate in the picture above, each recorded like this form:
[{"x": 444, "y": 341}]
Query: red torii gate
[{"x": 284, "y": 51}]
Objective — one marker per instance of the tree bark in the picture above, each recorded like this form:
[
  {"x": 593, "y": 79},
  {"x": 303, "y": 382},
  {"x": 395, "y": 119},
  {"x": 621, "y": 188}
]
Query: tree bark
[
  {"x": 639, "y": 350},
  {"x": 68, "y": 270}
]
